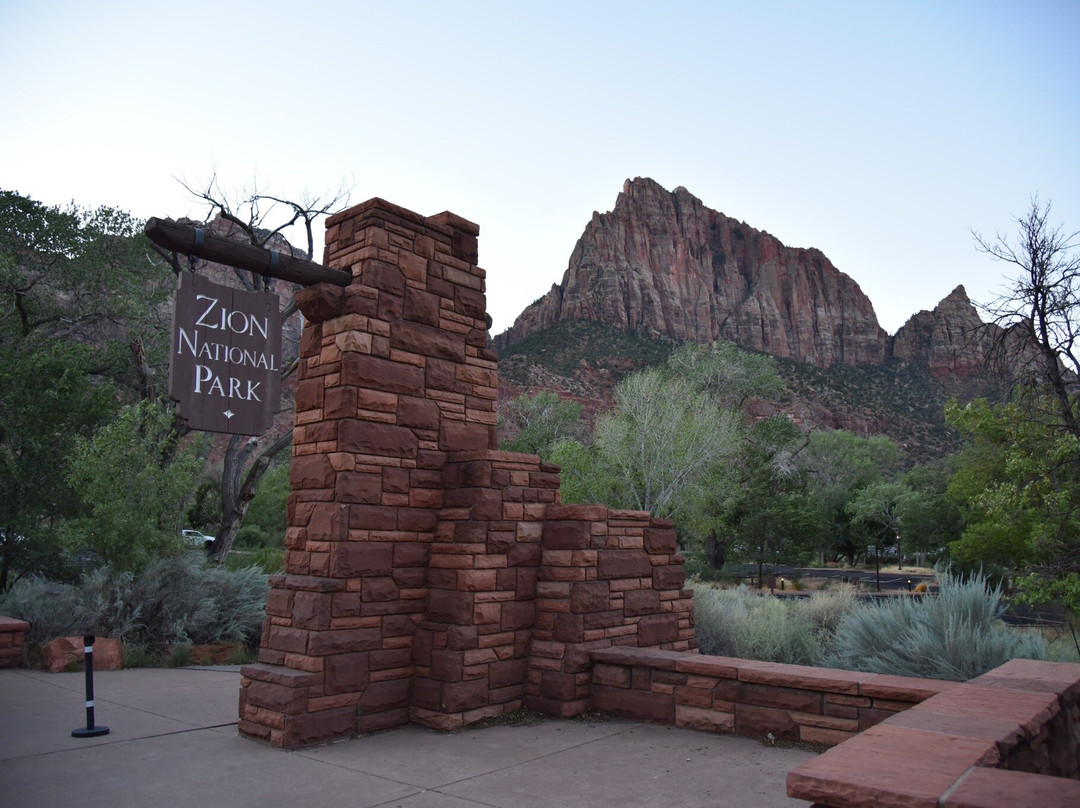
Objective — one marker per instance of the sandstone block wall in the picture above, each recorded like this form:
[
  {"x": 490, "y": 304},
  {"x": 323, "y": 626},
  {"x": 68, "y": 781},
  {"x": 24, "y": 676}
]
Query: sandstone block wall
[
  {"x": 430, "y": 577},
  {"x": 1009, "y": 737},
  {"x": 748, "y": 697},
  {"x": 11, "y": 641}
]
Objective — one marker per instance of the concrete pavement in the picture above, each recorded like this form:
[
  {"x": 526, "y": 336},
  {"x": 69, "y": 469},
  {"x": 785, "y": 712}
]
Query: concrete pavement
[{"x": 173, "y": 742}]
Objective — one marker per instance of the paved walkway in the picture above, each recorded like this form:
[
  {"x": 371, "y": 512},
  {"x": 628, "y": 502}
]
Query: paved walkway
[{"x": 173, "y": 742}]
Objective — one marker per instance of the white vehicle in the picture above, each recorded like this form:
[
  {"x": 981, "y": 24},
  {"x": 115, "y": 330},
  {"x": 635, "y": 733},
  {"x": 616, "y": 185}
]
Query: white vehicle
[{"x": 193, "y": 538}]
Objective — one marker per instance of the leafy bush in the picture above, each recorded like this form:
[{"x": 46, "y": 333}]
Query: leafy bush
[
  {"x": 739, "y": 623},
  {"x": 956, "y": 635},
  {"x": 252, "y": 536},
  {"x": 175, "y": 601}
]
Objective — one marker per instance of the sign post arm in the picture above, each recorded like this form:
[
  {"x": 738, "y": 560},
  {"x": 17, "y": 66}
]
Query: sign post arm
[{"x": 201, "y": 243}]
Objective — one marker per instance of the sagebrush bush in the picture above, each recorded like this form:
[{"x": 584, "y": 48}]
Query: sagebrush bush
[
  {"x": 826, "y": 609},
  {"x": 739, "y": 623},
  {"x": 956, "y": 635},
  {"x": 175, "y": 601}
]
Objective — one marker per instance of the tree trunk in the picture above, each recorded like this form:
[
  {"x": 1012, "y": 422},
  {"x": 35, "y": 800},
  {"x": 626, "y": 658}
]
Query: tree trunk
[
  {"x": 238, "y": 488},
  {"x": 715, "y": 552}
]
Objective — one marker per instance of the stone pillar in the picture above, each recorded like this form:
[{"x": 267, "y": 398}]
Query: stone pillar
[
  {"x": 394, "y": 374},
  {"x": 471, "y": 651},
  {"x": 430, "y": 577}
]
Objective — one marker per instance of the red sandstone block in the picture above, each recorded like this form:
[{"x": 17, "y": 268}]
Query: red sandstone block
[
  {"x": 641, "y": 602},
  {"x": 1031, "y": 674},
  {"x": 332, "y": 702},
  {"x": 1030, "y": 710},
  {"x": 585, "y": 513},
  {"x": 565, "y": 535},
  {"x": 888, "y": 766},
  {"x": 476, "y": 580},
  {"x": 552, "y": 589},
  {"x": 311, "y": 471},
  {"x": 326, "y": 643},
  {"x": 276, "y": 698},
  {"x": 622, "y": 564},
  {"x": 848, "y": 725},
  {"x": 694, "y": 696},
  {"x": 989, "y": 728},
  {"x": 282, "y": 638},
  {"x": 312, "y": 610},
  {"x": 783, "y": 675},
  {"x": 786, "y": 698},
  {"x": 651, "y": 658},
  {"x": 704, "y": 720},
  {"x": 902, "y": 688},
  {"x": 718, "y": 666},
  {"x": 841, "y": 711},
  {"x": 657, "y": 628},
  {"x": 761, "y": 721},
  {"x": 564, "y": 573},
  {"x": 357, "y": 559},
  {"x": 991, "y": 788},
  {"x": 851, "y": 701},
  {"x": 640, "y": 704},
  {"x": 672, "y": 576},
  {"x": 869, "y": 717},
  {"x": 823, "y": 736},
  {"x": 890, "y": 705},
  {"x": 312, "y": 728}
]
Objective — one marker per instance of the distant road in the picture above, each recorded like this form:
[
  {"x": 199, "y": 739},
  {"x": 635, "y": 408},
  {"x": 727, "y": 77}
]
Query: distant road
[{"x": 890, "y": 579}]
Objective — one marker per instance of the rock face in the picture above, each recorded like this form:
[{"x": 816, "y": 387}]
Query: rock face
[
  {"x": 663, "y": 263},
  {"x": 952, "y": 339}
]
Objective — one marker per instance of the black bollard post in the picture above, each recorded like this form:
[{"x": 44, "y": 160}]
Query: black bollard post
[{"x": 89, "y": 731}]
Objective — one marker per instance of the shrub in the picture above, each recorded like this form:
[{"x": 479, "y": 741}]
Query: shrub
[
  {"x": 736, "y": 622},
  {"x": 252, "y": 536},
  {"x": 267, "y": 560},
  {"x": 956, "y": 635},
  {"x": 176, "y": 601},
  {"x": 825, "y": 610}
]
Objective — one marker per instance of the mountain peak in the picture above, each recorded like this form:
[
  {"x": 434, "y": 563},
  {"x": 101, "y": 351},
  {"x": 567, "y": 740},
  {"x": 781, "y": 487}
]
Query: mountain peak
[{"x": 661, "y": 262}]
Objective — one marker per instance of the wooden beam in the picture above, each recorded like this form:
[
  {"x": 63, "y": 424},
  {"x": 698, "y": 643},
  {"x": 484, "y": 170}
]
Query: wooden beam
[{"x": 184, "y": 239}]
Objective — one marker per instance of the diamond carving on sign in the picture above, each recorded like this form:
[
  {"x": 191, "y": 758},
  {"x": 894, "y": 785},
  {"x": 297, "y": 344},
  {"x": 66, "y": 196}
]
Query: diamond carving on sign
[{"x": 229, "y": 413}]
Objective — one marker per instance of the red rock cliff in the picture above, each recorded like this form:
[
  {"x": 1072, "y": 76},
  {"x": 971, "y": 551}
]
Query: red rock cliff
[
  {"x": 664, "y": 263},
  {"x": 952, "y": 339}
]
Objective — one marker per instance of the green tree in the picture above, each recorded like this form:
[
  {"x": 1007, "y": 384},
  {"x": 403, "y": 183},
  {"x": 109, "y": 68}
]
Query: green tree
[
  {"x": 884, "y": 507},
  {"x": 536, "y": 423},
  {"x": 46, "y": 399},
  {"x": 661, "y": 440},
  {"x": 727, "y": 373},
  {"x": 932, "y": 521},
  {"x": 772, "y": 519},
  {"x": 838, "y": 464},
  {"x": 671, "y": 445},
  {"x": 1035, "y": 497},
  {"x": 265, "y": 523},
  {"x": 1016, "y": 482},
  {"x": 134, "y": 481},
  {"x": 79, "y": 300}
]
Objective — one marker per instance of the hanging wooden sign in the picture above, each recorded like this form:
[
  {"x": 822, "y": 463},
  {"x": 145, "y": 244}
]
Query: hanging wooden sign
[{"x": 225, "y": 367}]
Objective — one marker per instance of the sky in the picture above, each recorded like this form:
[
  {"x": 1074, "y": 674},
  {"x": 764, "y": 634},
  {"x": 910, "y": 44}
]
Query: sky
[{"x": 883, "y": 134}]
